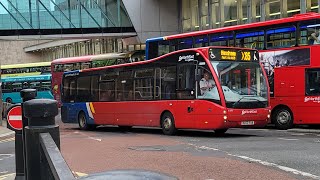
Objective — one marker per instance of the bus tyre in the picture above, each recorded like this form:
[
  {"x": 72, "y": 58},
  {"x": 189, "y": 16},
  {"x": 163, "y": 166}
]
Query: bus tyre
[
  {"x": 220, "y": 131},
  {"x": 125, "y": 128},
  {"x": 167, "y": 124},
  {"x": 9, "y": 100},
  {"x": 83, "y": 125},
  {"x": 283, "y": 119}
]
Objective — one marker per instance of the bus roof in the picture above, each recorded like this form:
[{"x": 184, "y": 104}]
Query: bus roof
[
  {"x": 39, "y": 64},
  {"x": 91, "y": 58},
  {"x": 27, "y": 78},
  {"x": 200, "y": 50},
  {"x": 295, "y": 18}
]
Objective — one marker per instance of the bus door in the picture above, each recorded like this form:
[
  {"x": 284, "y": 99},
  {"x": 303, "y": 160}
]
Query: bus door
[{"x": 186, "y": 95}]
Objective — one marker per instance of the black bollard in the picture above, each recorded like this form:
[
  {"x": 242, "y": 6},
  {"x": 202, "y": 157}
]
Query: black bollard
[
  {"x": 26, "y": 95},
  {"x": 41, "y": 119}
]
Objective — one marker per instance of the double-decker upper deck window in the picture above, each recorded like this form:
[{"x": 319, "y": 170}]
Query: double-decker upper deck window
[
  {"x": 281, "y": 37},
  {"x": 309, "y": 32},
  {"x": 223, "y": 39},
  {"x": 253, "y": 39},
  {"x": 164, "y": 48}
]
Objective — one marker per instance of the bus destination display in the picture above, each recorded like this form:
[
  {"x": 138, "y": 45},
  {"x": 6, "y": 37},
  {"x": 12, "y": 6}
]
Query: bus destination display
[{"x": 233, "y": 55}]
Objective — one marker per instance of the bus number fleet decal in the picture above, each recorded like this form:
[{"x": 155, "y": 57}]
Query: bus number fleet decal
[{"x": 313, "y": 99}]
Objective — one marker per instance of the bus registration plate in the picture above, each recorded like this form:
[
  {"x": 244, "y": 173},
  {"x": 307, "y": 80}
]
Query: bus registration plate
[{"x": 246, "y": 123}]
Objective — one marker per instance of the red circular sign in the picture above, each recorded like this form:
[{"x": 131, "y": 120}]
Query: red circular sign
[{"x": 14, "y": 118}]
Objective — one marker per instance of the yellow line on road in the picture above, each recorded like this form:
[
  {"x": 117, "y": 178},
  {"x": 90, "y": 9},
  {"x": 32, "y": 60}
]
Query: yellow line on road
[{"x": 7, "y": 140}]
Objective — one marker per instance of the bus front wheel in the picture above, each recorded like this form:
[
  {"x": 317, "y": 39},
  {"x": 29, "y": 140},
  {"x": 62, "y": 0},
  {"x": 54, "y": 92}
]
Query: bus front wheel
[
  {"x": 283, "y": 119},
  {"x": 167, "y": 124},
  {"x": 82, "y": 120}
]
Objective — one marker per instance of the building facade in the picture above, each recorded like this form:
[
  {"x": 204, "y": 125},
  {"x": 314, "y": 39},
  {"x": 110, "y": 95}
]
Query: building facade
[{"x": 149, "y": 18}]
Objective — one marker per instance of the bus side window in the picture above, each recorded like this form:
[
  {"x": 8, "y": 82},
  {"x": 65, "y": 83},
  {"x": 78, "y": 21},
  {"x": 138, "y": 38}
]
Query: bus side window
[
  {"x": 312, "y": 82},
  {"x": 186, "y": 81},
  {"x": 281, "y": 37}
]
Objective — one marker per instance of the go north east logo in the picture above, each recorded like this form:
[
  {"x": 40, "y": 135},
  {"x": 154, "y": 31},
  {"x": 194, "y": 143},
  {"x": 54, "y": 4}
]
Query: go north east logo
[
  {"x": 249, "y": 112},
  {"x": 313, "y": 99}
]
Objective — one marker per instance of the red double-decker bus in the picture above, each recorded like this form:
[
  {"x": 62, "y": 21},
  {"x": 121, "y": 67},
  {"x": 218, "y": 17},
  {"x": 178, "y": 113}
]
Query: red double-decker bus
[
  {"x": 288, "y": 51},
  {"x": 204, "y": 88},
  {"x": 59, "y": 66}
]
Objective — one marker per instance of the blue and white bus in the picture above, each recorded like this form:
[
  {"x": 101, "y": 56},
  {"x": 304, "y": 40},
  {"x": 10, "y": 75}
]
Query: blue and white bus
[{"x": 11, "y": 87}]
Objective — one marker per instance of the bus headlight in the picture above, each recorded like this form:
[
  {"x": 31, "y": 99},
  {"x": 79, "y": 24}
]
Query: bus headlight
[
  {"x": 268, "y": 116},
  {"x": 224, "y": 112},
  {"x": 225, "y": 117}
]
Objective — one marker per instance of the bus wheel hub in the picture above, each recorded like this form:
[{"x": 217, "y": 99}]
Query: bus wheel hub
[
  {"x": 283, "y": 117},
  {"x": 167, "y": 123}
]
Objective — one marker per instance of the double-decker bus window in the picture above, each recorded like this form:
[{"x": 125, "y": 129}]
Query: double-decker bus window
[
  {"x": 83, "y": 89},
  {"x": 252, "y": 40},
  {"x": 125, "y": 86},
  {"x": 67, "y": 67},
  {"x": 168, "y": 82},
  {"x": 186, "y": 81},
  {"x": 143, "y": 84},
  {"x": 313, "y": 82},
  {"x": 173, "y": 45},
  {"x": 281, "y": 37},
  {"x": 222, "y": 39},
  {"x": 309, "y": 30},
  {"x": 164, "y": 48},
  {"x": 85, "y": 65},
  {"x": 185, "y": 43},
  {"x": 69, "y": 89},
  {"x": 201, "y": 41}
]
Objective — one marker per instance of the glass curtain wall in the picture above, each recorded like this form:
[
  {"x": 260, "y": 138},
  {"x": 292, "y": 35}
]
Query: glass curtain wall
[
  {"x": 206, "y": 14},
  {"x": 62, "y": 14}
]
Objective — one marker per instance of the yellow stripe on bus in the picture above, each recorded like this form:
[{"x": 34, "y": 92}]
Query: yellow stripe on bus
[
  {"x": 92, "y": 108},
  {"x": 21, "y": 74}
]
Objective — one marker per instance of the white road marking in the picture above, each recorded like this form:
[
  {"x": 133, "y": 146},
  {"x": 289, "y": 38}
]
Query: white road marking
[
  {"x": 289, "y": 139},
  {"x": 5, "y": 156},
  {"x": 3, "y": 177},
  {"x": 96, "y": 139},
  {"x": 6, "y": 134},
  {"x": 298, "y": 134},
  {"x": 284, "y": 168},
  {"x": 265, "y": 163},
  {"x": 7, "y": 140}
]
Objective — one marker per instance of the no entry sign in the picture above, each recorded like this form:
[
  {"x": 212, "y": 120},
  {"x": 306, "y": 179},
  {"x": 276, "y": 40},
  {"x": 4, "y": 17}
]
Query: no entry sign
[{"x": 14, "y": 118}]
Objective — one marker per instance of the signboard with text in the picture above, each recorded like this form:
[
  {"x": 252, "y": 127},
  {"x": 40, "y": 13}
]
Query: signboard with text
[{"x": 229, "y": 54}]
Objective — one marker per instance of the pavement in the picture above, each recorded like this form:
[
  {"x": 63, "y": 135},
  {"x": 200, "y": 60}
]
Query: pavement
[{"x": 4, "y": 131}]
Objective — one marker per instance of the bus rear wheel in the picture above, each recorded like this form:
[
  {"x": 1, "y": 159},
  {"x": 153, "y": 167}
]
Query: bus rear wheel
[
  {"x": 167, "y": 124},
  {"x": 9, "y": 100},
  {"x": 283, "y": 118},
  {"x": 83, "y": 125}
]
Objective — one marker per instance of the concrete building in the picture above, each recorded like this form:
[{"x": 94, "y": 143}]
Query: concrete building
[{"x": 146, "y": 19}]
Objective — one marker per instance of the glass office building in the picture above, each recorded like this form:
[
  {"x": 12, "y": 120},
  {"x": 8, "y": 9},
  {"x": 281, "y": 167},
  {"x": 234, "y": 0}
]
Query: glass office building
[
  {"x": 62, "y": 14},
  {"x": 207, "y": 14}
]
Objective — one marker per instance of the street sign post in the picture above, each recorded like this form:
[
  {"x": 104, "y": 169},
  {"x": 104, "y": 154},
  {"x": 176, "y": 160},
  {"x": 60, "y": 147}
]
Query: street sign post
[{"x": 14, "y": 118}]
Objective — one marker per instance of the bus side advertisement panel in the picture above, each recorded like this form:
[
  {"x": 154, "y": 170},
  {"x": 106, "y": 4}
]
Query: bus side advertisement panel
[{"x": 283, "y": 58}]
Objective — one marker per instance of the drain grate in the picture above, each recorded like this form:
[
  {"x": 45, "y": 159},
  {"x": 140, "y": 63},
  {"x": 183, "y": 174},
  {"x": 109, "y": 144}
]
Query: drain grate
[{"x": 147, "y": 148}]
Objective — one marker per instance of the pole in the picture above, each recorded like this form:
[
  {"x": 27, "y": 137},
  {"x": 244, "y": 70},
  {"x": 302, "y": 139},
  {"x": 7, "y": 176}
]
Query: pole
[
  {"x": 41, "y": 115},
  {"x": 26, "y": 95}
]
